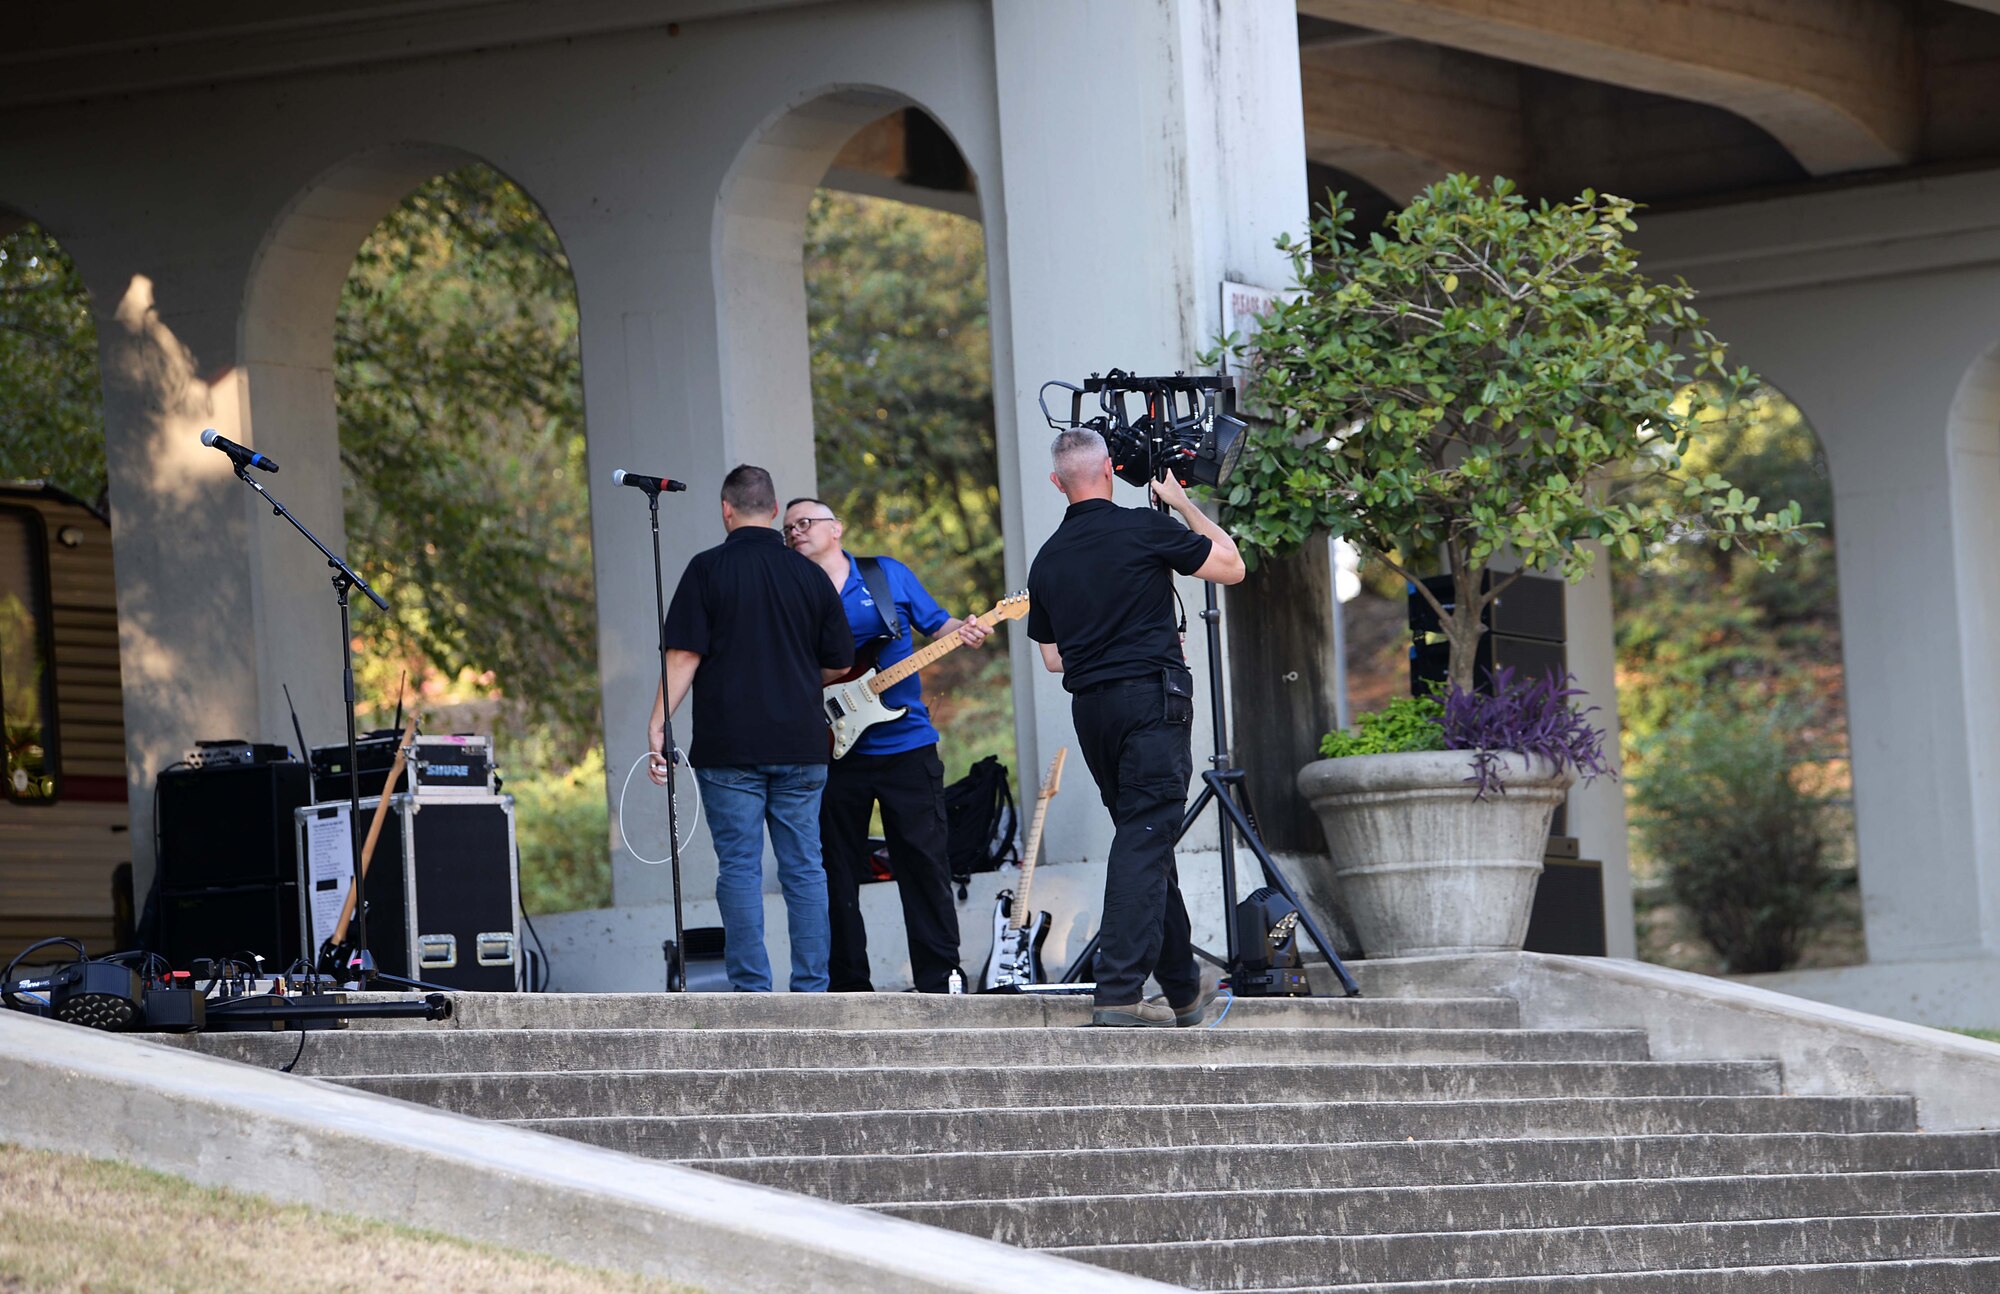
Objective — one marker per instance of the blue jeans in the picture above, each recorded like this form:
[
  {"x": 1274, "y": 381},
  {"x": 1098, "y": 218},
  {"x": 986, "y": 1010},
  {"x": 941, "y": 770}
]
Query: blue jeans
[{"x": 740, "y": 801}]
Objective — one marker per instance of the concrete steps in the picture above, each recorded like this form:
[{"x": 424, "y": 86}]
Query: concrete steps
[
  {"x": 698, "y": 1092},
  {"x": 1436, "y": 1256},
  {"x": 888, "y": 1180},
  {"x": 1917, "y": 1276},
  {"x": 1096, "y": 1127},
  {"x": 1377, "y": 1144},
  {"x": 1237, "y": 1214}
]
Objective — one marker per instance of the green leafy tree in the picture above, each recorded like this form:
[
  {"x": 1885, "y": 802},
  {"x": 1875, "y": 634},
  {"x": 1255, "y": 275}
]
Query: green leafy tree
[
  {"x": 459, "y": 384},
  {"x": 902, "y": 386},
  {"x": 903, "y": 426},
  {"x": 1696, "y": 622},
  {"x": 1484, "y": 376},
  {"x": 51, "y": 406}
]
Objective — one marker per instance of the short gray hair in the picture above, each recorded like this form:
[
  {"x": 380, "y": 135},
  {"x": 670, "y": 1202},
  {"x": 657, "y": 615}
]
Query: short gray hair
[{"x": 1075, "y": 450}]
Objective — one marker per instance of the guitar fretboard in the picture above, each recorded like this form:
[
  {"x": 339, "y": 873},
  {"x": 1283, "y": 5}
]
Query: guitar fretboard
[
  {"x": 1019, "y": 918},
  {"x": 916, "y": 660}
]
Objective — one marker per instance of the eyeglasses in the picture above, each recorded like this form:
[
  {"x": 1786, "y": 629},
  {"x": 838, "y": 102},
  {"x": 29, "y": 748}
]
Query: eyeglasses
[{"x": 804, "y": 524}]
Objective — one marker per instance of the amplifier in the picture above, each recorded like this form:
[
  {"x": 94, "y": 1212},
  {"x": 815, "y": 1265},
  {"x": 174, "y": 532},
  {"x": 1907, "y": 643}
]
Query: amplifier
[
  {"x": 218, "y": 754},
  {"x": 459, "y": 765},
  {"x": 375, "y": 753},
  {"x": 443, "y": 892}
]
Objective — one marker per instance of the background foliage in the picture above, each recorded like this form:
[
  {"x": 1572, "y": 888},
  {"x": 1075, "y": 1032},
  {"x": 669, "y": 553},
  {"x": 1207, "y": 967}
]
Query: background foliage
[
  {"x": 1743, "y": 844},
  {"x": 50, "y": 397},
  {"x": 903, "y": 428},
  {"x": 458, "y": 379}
]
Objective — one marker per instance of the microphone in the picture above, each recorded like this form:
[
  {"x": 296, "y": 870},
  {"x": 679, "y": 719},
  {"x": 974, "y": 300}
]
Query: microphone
[
  {"x": 650, "y": 484},
  {"x": 242, "y": 457}
]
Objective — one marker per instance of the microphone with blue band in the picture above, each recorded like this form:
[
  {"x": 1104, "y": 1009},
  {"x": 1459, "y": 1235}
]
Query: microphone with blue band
[
  {"x": 243, "y": 457},
  {"x": 650, "y": 484}
]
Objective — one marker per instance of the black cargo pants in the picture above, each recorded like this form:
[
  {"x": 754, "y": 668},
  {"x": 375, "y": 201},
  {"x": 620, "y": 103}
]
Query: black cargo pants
[
  {"x": 1141, "y": 763},
  {"x": 909, "y": 786}
]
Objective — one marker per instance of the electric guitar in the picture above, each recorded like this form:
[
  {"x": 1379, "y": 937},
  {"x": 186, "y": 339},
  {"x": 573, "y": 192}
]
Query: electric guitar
[
  {"x": 853, "y": 702},
  {"x": 1019, "y": 930}
]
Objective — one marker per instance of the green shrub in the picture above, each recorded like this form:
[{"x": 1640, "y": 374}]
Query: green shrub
[
  {"x": 1742, "y": 846},
  {"x": 1408, "y": 723},
  {"x": 563, "y": 828}
]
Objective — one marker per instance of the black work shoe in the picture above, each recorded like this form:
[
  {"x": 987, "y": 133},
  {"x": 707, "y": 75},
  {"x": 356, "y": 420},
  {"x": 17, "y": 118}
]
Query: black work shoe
[{"x": 1139, "y": 1015}]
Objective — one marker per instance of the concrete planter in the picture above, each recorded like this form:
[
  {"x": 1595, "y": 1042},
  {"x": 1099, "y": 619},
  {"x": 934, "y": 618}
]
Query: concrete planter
[{"x": 1424, "y": 867}]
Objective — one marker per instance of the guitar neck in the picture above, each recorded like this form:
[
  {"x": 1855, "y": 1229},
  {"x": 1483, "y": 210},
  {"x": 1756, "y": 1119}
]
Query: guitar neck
[
  {"x": 917, "y": 660},
  {"x": 1019, "y": 918}
]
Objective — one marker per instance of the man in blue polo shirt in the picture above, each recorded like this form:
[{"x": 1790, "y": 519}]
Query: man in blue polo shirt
[{"x": 894, "y": 763}]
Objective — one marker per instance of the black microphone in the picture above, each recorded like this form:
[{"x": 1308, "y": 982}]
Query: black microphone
[
  {"x": 243, "y": 457},
  {"x": 650, "y": 484}
]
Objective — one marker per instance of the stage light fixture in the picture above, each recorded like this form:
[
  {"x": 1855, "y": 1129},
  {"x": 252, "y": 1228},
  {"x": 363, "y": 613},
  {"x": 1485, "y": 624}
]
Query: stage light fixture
[{"x": 96, "y": 995}]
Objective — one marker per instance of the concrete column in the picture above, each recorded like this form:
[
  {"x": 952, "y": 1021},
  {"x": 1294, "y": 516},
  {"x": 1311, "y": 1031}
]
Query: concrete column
[
  {"x": 1597, "y": 811},
  {"x": 219, "y": 601},
  {"x": 1118, "y": 239},
  {"x": 187, "y": 602},
  {"x": 650, "y": 385}
]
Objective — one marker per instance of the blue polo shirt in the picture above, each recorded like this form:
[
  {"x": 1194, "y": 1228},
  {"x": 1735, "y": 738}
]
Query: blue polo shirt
[{"x": 914, "y": 607}]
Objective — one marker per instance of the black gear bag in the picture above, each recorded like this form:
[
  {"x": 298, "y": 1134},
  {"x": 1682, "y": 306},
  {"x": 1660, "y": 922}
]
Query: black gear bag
[{"x": 980, "y": 821}]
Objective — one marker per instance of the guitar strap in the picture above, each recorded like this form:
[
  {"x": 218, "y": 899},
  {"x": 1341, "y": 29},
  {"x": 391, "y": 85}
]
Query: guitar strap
[{"x": 877, "y": 582}]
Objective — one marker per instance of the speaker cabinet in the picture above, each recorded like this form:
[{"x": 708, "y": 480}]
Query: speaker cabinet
[
  {"x": 229, "y": 826},
  {"x": 244, "y": 922}
]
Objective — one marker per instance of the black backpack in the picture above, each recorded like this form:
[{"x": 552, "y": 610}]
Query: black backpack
[{"x": 980, "y": 822}]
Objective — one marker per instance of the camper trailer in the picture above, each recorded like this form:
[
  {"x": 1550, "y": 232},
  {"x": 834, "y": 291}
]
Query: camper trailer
[{"x": 64, "y": 853}]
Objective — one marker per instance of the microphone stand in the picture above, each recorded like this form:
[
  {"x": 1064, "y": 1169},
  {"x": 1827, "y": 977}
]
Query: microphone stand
[
  {"x": 360, "y": 961},
  {"x": 677, "y": 957}
]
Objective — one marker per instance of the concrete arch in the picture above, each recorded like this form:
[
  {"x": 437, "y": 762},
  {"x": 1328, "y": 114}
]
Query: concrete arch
[
  {"x": 759, "y": 241},
  {"x": 285, "y": 350}
]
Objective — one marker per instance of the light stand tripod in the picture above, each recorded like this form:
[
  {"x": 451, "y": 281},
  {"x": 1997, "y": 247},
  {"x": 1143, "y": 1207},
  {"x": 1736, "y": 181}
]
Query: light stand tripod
[
  {"x": 677, "y": 951},
  {"x": 1223, "y": 786},
  {"x": 359, "y": 960}
]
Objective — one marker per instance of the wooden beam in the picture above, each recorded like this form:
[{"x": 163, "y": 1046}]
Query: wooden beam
[
  {"x": 1835, "y": 81},
  {"x": 1403, "y": 115}
]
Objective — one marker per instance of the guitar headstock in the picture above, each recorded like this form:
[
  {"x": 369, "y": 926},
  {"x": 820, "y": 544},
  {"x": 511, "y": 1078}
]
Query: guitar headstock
[
  {"x": 1053, "y": 782},
  {"x": 1011, "y": 607}
]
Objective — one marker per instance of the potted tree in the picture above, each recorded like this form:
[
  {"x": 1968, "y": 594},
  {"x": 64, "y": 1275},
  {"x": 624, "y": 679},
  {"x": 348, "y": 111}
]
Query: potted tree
[{"x": 1480, "y": 378}]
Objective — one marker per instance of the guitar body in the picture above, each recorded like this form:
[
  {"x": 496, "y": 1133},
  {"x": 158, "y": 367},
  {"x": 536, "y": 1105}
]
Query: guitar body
[
  {"x": 852, "y": 707},
  {"x": 1016, "y": 959},
  {"x": 853, "y": 704}
]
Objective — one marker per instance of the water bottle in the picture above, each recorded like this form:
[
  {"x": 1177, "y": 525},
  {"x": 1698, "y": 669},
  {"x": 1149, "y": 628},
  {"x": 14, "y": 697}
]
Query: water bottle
[{"x": 957, "y": 983}]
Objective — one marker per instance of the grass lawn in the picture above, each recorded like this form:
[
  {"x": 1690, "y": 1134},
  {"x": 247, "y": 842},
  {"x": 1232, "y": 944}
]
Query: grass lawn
[
  {"x": 1984, "y": 1035},
  {"x": 70, "y": 1225}
]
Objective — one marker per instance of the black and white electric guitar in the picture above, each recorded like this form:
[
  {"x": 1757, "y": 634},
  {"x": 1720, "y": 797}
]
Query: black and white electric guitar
[
  {"x": 853, "y": 702},
  {"x": 1019, "y": 930}
]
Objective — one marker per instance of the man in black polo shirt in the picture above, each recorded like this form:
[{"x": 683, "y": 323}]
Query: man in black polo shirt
[
  {"x": 1103, "y": 611},
  {"x": 757, "y": 631}
]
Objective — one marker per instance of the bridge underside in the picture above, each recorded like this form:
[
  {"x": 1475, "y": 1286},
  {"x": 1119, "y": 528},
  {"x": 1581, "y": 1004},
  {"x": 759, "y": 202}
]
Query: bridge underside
[{"x": 1821, "y": 169}]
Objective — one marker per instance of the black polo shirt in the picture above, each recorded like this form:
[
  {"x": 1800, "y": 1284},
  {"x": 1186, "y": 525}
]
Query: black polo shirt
[
  {"x": 1102, "y": 591},
  {"x": 764, "y": 620}
]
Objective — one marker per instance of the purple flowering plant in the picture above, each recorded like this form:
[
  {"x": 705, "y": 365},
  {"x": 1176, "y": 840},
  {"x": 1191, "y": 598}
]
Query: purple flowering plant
[{"x": 1535, "y": 717}]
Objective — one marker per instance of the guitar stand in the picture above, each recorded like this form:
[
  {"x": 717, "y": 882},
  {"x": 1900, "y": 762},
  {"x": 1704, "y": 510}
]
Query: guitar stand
[{"x": 1223, "y": 786}]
